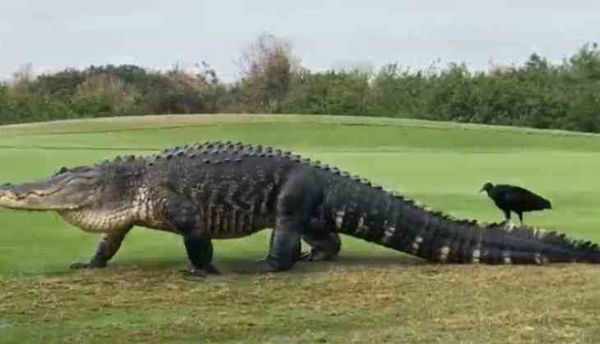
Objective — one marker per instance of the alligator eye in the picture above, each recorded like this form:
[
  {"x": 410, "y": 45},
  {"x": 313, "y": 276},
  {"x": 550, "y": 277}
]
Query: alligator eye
[{"x": 62, "y": 170}]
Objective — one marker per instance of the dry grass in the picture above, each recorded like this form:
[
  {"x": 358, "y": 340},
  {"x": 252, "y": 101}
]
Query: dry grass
[
  {"x": 369, "y": 296},
  {"x": 378, "y": 302}
]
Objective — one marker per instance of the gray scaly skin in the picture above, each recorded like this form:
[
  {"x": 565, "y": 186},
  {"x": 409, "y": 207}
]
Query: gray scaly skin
[{"x": 224, "y": 190}]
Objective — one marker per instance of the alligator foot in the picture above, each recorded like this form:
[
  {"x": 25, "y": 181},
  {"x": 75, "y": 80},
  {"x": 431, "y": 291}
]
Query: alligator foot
[
  {"x": 91, "y": 265},
  {"x": 266, "y": 265},
  {"x": 200, "y": 272},
  {"x": 306, "y": 256},
  {"x": 316, "y": 256}
]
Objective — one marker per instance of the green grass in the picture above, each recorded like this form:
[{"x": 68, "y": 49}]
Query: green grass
[{"x": 369, "y": 295}]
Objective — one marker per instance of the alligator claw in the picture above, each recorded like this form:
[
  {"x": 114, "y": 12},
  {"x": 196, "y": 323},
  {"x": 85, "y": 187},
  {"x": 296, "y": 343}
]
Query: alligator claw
[
  {"x": 200, "y": 272},
  {"x": 194, "y": 272},
  {"x": 80, "y": 265},
  {"x": 266, "y": 265},
  {"x": 77, "y": 266},
  {"x": 306, "y": 256},
  {"x": 315, "y": 256}
]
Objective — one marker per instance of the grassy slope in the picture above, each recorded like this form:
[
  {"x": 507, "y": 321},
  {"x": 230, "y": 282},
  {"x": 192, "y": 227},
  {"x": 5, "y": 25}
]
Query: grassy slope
[{"x": 443, "y": 165}]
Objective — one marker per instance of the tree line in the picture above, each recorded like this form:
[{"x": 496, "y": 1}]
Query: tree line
[{"x": 537, "y": 93}]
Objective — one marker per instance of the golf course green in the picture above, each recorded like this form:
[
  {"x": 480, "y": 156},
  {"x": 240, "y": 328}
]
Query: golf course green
[{"x": 370, "y": 295}]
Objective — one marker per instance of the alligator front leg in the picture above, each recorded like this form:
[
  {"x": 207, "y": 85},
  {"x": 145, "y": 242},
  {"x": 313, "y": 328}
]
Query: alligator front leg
[
  {"x": 107, "y": 248},
  {"x": 182, "y": 214},
  {"x": 200, "y": 252}
]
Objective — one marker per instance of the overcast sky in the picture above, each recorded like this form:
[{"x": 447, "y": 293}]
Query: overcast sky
[{"x": 324, "y": 33}]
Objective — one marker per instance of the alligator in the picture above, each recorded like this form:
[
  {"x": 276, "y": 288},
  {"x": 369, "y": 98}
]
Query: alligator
[{"x": 221, "y": 190}]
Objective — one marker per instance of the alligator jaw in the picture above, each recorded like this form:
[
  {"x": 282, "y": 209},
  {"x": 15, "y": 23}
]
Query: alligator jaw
[
  {"x": 31, "y": 196},
  {"x": 7, "y": 196},
  {"x": 59, "y": 192}
]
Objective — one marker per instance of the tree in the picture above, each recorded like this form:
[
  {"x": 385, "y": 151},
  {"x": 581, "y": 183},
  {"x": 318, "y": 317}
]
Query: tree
[
  {"x": 105, "y": 95},
  {"x": 20, "y": 85},
  {"x": 585, "y": 64},
  {"x": 268, "y": 68}
]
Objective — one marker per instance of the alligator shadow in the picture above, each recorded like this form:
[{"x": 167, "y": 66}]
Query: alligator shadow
[
  {"x": 240, "y": 266},
  {"x": 250, "y": 266}
]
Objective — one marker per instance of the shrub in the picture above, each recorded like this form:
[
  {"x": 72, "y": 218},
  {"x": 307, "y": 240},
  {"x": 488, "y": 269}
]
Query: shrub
[{"x": 537, "y": 94}]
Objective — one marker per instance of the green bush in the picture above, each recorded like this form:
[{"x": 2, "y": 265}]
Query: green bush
[
  {"x": 329, "y": 93},
  {"x": 537, "y": 94},
  {"x": 395, "y": 92}
]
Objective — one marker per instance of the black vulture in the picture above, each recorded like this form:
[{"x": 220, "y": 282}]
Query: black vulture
[{"x": 514, "y": 198}]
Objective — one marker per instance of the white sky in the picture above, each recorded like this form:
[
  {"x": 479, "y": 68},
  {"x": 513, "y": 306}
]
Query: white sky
[{"x": 325, "y": 33}]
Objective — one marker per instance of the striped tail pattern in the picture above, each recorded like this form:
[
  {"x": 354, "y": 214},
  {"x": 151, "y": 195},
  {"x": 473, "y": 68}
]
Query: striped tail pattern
[{"x": 375, "y": 215}]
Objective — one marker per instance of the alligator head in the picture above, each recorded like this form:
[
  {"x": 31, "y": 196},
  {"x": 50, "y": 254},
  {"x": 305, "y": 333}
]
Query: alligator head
[{"x": 66, "y": 190}]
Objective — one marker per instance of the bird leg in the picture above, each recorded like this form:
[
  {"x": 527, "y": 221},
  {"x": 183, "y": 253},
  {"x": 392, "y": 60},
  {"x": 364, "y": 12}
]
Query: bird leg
[
  {"x": 509, "y": 225},
  {"x": 506, "y": 215},
  {"x": 520, "y": 217}
]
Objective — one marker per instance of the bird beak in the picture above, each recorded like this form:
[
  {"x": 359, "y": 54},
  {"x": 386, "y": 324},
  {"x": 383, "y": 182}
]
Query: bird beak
[{"x": 482, "y": 190}]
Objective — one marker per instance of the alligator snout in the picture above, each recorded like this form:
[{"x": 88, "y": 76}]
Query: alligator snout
[
  {"x": 7, "y": 191},
  {"x": 20, "y": 191}
]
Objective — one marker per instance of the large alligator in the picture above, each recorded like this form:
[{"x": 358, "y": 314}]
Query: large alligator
[{"x": 223, "y": 190}]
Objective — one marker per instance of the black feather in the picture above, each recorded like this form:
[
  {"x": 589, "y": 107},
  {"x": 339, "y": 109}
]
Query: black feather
[{"x": 516, "y": 199}]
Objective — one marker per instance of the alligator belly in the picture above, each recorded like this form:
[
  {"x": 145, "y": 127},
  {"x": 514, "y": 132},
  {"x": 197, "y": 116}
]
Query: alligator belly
[{"x": 232, "y": 224}]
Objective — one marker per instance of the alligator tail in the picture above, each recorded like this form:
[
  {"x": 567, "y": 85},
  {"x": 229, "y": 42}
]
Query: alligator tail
[
  {"x": 411, "y": 228},
  {"x": 470, "y": 242}
]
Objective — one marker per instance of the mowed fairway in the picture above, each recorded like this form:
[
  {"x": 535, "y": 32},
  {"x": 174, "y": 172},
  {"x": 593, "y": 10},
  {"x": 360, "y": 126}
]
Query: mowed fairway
[{"x": 369, "y": 295}]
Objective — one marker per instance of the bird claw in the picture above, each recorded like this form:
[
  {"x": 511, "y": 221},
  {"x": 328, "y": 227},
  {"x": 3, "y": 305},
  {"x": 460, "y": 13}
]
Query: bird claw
[{"x": 509, "y": 225}]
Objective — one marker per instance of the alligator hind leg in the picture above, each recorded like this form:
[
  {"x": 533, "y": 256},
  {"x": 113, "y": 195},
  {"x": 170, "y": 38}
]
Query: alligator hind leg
[
  {"x": 324, "y": 246},
  {"x": 200, "y": 252},
  {"x": 295, "y": 204},
  {"x": 297, "y": 254},
  {"x": 284, "y": 248},
  {"x": 107, "y": 248}
]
